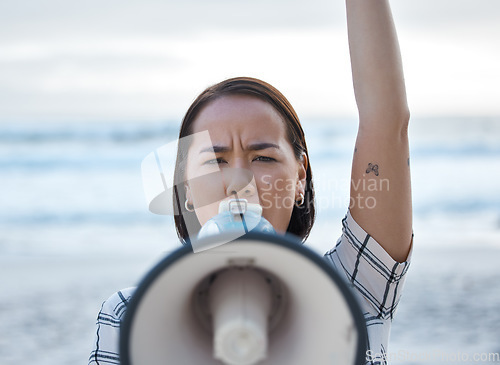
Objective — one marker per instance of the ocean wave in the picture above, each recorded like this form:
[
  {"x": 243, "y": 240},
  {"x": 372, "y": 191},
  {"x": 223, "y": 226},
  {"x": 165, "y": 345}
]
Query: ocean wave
[
  {"x": 90, "y": 132},
  {"x": 83, "y": 218},
  {"x": 66, "y": 165},
  {"x": 454, "y": 150}
]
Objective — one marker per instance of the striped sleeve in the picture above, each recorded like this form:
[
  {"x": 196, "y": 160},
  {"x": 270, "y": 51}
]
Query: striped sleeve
[
  {"x": 106, "y": 343},
  {"x": 377, "y": 278},
  {"x": 370, "y": 269}
]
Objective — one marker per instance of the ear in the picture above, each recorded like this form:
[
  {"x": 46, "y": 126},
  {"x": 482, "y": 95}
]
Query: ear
[
  {"x": 301, "y": 174},
  {"x": 187, "y": 191}
]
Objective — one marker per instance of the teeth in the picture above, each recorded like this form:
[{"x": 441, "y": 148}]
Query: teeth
[{"x": 239, "y": 206}]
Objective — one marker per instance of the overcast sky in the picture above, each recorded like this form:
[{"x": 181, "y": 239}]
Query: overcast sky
[{"x": 99, "y": 60}]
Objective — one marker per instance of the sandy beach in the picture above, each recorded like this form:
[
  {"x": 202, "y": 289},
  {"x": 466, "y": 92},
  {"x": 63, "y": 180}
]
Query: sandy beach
[
  {"x": 449, "y": 306},
  {"x": 49, "y": 304}
]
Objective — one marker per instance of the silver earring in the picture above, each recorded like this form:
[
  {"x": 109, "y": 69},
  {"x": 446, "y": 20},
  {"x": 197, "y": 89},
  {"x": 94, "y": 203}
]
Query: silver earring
[
  {"x": 186, "y": 205},
  {"x": 298, "y": 203}
]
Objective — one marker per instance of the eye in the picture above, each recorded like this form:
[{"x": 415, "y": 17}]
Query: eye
[
  {"x": 214, "y": 161},
  {"x": 264, "y": 159}
]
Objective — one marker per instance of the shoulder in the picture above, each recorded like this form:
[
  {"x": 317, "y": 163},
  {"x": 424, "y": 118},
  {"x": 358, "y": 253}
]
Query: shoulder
[
  {"x": 115, "y": 306},
  {"x": 375, "y": 275},
  {"x": 357, "y": 244},
  {"x": 105, "y": 349}
]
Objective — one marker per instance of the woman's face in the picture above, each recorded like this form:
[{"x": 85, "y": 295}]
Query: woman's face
[{"x": 247, "y": 156}]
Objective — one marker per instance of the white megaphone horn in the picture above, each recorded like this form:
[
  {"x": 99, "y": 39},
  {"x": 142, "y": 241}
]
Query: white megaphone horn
[{"x": 260, "y": 299}]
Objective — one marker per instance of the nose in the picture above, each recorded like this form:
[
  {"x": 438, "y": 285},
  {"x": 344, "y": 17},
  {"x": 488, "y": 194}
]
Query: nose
[{"x": 239, "y": 183}]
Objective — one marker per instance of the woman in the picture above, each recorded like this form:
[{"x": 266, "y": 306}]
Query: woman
[{"x": 252, "y": 127}]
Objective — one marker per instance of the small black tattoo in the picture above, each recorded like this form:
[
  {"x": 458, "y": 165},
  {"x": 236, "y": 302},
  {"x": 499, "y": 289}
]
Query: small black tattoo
[
  {"x": 355, "y": 149},
  {"x": 408, "y": 161},
  {"x": 372, "y": 167}
]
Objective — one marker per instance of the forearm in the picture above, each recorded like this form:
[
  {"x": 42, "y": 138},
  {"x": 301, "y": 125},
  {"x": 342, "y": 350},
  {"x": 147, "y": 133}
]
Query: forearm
[{"x": 376, "y": 65}]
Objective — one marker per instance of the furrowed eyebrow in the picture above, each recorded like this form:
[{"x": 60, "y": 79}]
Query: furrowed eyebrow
[
  {"x": 253, "y": 147},
  {"x": 215, "y": 149},
  {"x": 262, "y": 146}
]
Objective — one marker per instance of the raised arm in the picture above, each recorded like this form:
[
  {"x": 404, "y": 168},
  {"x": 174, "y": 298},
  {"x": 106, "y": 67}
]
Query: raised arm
[{"x": 380, "y": 185}]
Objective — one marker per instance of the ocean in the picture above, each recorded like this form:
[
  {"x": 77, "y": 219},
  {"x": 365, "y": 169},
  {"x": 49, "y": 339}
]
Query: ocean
[{"x": 75, "y": 227}]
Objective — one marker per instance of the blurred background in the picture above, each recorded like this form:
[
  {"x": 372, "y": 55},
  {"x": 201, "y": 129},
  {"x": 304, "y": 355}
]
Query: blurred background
[{"x": 88, "y": 89}]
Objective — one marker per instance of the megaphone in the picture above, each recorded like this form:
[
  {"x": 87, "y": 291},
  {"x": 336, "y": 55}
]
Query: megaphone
[{"x": 259, "y": 299}]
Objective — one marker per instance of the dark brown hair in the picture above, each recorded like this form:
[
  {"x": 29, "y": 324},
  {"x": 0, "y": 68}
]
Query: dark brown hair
[{"x": 302, "y": 218}]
